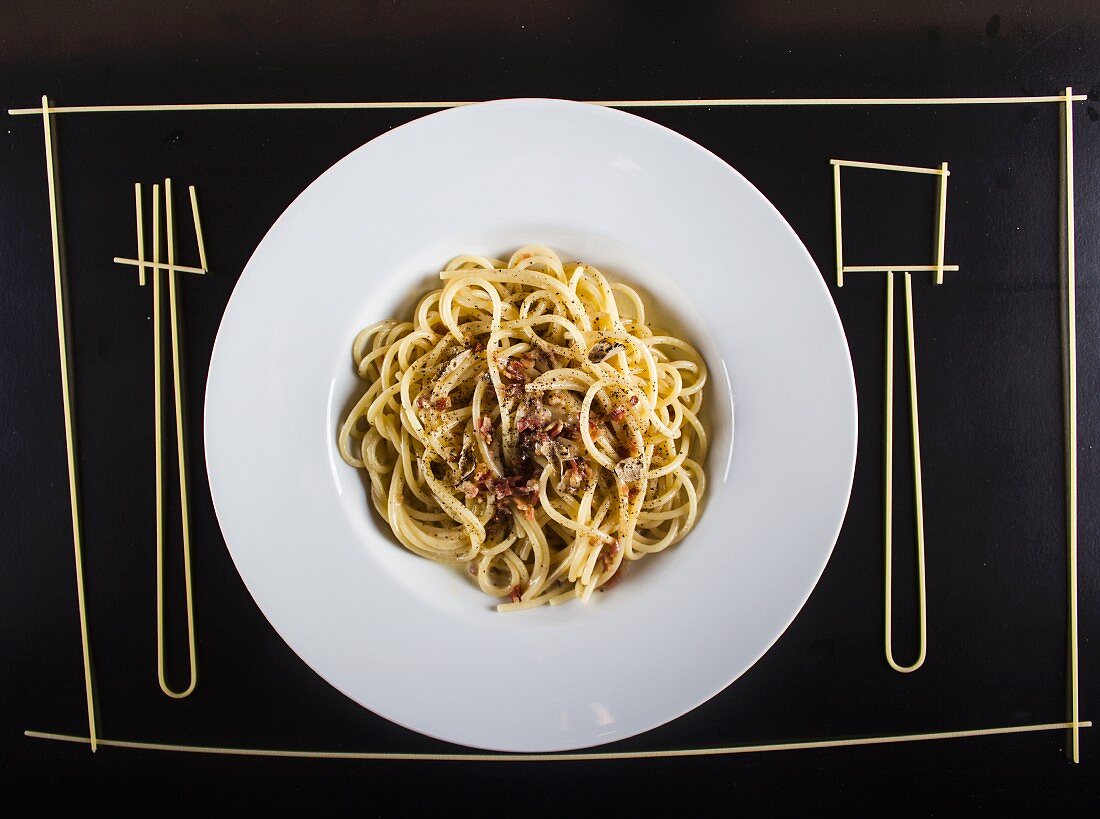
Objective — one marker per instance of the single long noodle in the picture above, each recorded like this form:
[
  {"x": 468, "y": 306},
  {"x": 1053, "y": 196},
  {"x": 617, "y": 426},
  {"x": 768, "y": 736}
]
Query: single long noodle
[{"x": 529, "y": 423}]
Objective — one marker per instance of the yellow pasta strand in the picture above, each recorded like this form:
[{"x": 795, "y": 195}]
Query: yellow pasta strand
[{"x": 525, "y": 425}]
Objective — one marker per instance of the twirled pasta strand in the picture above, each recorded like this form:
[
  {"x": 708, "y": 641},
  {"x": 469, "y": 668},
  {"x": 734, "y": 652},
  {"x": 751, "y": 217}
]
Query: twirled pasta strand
[{"x": 528, "y": 423}]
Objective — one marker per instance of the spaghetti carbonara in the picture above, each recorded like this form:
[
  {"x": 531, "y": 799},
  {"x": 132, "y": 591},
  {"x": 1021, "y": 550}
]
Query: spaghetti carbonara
[{"x": 528, "y": 423}]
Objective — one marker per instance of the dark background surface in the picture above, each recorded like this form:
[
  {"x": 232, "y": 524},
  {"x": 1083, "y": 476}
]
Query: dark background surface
[{"x": 988, "y": 357}]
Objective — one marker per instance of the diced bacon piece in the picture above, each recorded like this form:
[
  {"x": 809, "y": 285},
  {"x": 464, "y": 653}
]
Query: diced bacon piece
[{"x": 485, "y": 427}]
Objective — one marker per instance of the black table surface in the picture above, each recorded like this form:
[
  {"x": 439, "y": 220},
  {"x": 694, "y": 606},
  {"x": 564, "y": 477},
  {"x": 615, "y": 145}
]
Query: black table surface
[{"x": 989, "y": 358}]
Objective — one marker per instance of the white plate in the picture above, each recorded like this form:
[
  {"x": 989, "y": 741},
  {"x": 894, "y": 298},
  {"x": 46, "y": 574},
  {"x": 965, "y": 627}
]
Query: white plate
[{"x": 413, "y": 640}]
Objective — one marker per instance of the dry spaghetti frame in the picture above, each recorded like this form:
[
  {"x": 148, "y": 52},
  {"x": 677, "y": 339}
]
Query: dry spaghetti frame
[{"x": 47, "y": 111}]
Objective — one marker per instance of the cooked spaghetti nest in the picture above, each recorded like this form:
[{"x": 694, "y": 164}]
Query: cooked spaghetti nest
[{"x": 529, "y": 423}]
